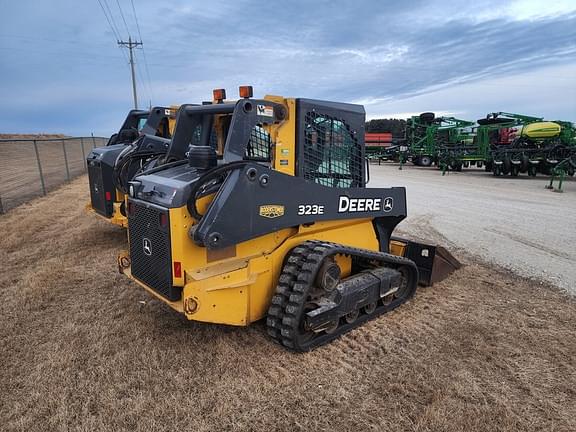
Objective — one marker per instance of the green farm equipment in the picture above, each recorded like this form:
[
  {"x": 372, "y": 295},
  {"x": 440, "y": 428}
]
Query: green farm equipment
[
  {"x": 522, "y": 144},
  {"x": 495, "y": 130},
  {"x": 506, "y": 143},
  {"x": 426, "y": 134}
]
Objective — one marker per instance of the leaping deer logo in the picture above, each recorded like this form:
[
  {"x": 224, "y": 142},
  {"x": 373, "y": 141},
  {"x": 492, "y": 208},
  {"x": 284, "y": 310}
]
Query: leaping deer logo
[
  {"x": 147, "y": 246},
  {"x": 388, "y": 204}
]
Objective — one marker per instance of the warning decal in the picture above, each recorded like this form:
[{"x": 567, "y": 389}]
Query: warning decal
[{"x": 265, "y": 110}]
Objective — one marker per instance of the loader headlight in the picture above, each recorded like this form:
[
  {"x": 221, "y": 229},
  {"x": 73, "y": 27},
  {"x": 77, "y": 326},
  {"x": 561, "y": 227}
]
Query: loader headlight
[
  {"x": 190, "y": 305},
  {"x": 131, "y": 191}
]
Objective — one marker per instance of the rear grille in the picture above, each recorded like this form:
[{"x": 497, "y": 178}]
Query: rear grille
[
  {"x": 150, "y": 249},
  {"x": 97, "y": 192}
]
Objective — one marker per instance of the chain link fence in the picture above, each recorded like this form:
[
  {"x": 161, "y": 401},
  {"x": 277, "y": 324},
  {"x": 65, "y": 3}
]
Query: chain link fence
[{"x": 32, "y": 167}]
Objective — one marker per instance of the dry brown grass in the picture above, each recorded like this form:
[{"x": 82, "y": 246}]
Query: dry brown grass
[
  {"x": 481, "y": 351},
  {"x": 19, "y": 173},
  {"x": 31, "y": 136}
]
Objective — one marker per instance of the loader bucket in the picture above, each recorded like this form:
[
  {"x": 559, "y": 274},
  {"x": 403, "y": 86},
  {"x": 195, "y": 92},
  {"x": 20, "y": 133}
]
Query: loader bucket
[{"x": 434, "y": 263}]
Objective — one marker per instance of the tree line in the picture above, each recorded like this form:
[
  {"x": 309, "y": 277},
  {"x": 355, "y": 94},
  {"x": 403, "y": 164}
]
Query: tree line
[{"x": 394, "y": 126}]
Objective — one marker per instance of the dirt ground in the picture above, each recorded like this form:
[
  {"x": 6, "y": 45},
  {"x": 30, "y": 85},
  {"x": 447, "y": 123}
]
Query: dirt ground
[{"x": 84, "y": 349}]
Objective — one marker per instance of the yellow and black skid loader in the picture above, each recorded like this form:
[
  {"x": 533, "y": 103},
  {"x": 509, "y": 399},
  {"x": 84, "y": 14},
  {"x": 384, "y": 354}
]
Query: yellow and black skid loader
[
  {"x": 158, "y": 121},
  {"x": 146, "y": 133},
  {"x": 268, "y": 217}
]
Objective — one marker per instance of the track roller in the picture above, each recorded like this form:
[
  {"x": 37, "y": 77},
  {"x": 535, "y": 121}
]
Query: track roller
[{"x": 312, "y": 305}]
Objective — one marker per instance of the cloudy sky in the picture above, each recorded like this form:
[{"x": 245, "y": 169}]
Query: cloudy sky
[{"x": 62, "y": 72}]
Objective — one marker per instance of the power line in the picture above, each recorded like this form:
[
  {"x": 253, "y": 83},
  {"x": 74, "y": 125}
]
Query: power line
[
  {"x": 131, "y": 45},
  {"x": 114, "y": 26},
  {"x": 145, "y": 83},
  {"x": 122, "y": 15},
  {"x": 143, "y": 87},
  {"x": 108, "y": 19},
  {"x": 136, "y": 19},
  {"x": 143, "y": 51}
]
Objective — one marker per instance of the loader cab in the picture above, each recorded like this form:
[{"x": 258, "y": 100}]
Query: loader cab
[
  {"x": 158, "y": 121},
  {"x": 134, "y": 122},
  {"x": 222, "y": 126},
  {"x": 318, "y": 140}
]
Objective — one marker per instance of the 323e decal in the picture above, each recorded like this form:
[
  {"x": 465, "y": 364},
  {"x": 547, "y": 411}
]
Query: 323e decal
[{"x": 310, "y": 209}]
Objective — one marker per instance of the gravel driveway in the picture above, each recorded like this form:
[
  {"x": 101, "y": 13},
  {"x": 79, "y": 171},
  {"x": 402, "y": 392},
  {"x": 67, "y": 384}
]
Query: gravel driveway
[{"x": 513, "y": 222}]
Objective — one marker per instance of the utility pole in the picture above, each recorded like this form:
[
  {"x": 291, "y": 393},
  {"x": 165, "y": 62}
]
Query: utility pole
[{"x": 131, "y": 45}]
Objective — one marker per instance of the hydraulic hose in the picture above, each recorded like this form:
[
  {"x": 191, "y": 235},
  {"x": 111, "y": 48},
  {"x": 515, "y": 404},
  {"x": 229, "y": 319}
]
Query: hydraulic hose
[
  {"x": 164, "y": 166},
  {"x": 214, "y": 174},
  {"x": 125, "y": 161}
]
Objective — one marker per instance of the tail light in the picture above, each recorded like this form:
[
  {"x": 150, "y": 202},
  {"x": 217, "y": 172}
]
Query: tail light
[
  {"x": 108, "y": 196},
  {"x": 177, "y": 269},
  {"x": 163, "y": 220}
]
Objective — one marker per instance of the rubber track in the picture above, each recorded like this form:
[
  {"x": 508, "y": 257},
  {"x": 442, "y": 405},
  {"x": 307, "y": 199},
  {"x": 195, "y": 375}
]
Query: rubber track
[{"x": 296, "y": 279}]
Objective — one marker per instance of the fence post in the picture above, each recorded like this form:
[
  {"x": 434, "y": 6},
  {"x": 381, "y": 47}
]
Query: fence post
[
  {"x": 93, "y": 140},
  {"x": 66, "y": 160},
  {"x": 83, "y": 153},
  {"x": 39, "y": 168},
  {"x": 1, "y": 206}
]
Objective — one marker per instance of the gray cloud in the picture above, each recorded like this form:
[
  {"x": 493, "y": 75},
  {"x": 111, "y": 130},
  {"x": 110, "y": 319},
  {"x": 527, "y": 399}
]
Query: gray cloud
[{"x": 60, "y": 60}]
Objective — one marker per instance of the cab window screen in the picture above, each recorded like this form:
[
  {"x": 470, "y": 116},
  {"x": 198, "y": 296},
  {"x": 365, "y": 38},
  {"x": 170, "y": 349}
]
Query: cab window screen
[
  {"x": 332, "y": 155},
  {"x": 259, "y": 146}
]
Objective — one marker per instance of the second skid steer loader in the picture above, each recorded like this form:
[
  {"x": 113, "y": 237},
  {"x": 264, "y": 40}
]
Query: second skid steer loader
[{"x": 152, "y": 129}]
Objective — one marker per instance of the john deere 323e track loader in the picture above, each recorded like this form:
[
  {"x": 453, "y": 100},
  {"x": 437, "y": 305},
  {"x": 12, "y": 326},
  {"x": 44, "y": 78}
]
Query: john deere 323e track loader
[{"x": 273, "y": 220}]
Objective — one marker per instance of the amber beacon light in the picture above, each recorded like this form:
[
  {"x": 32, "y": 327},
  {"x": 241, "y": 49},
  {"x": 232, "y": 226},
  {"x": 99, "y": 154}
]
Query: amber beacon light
[
  {"x": 219, "y": 94},
  {"x": 246, "y": 91}
]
